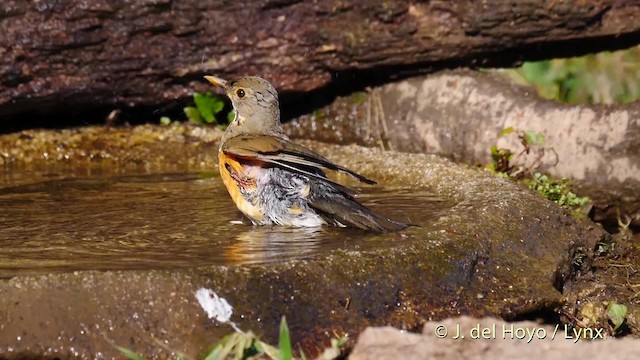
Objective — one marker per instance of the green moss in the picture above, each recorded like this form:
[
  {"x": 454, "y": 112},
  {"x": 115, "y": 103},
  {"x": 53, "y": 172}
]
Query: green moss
[
  {"x": 319, "y": 114},
  {"x": 557, "y": 191},
  {"x": 359, "y": 98}
]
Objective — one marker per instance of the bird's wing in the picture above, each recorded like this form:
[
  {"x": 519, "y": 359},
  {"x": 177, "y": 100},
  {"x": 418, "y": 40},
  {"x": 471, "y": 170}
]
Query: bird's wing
[
  {"x": 343, "y": 209},
  {"x": 286, "y": 154},
  {"x": 331, "y": 199}
]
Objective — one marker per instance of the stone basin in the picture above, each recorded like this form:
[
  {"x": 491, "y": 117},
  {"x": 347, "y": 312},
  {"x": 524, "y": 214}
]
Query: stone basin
[{"x": 484, "y": 246}]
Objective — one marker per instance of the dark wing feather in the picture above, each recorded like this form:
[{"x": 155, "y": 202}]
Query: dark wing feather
[
  {"x": 344, "y": 209},
  {"x": 320, "y": 176},
  {"x": 283, "y": 152}
]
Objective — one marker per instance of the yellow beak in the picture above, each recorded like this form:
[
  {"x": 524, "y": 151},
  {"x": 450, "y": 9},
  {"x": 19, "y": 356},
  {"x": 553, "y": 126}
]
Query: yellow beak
[{"x": 216, "y": 81}]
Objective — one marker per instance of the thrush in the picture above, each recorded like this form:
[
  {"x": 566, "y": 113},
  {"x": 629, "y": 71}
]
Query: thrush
[{"x": 274, "y": 181}]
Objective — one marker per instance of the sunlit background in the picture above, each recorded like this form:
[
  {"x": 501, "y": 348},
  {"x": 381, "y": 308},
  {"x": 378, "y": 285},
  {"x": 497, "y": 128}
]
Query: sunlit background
[{"x": 602, "y": 78}]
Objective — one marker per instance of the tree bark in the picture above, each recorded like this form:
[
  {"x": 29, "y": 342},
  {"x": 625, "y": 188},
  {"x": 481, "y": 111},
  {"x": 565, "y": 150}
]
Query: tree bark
[
  {"x": 145, "y": 52},
  {"x": 460, "y": 115}
]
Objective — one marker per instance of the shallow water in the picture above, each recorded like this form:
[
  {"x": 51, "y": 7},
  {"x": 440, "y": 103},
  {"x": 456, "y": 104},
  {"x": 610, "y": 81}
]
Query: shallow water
[{"x": 167, "y": 221}]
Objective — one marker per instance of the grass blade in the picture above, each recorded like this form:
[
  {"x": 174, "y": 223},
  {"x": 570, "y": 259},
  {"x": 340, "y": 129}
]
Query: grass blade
[{"x": 284, "y": 343}]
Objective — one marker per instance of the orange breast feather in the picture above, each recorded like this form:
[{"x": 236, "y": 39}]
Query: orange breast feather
[{"x": 235, "y": 177}]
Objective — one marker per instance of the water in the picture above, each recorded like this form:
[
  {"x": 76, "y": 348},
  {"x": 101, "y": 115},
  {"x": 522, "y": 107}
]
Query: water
[{"x": 168, "y": 221}]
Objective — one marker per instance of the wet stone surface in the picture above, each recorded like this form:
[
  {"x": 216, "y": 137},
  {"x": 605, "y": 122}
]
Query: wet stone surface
[{"x": 77, "y": 275}]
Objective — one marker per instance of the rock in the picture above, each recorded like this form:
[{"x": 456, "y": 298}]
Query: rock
[
  {"x": 499, "y": 250},
  {"x": 489, "y": 338},
  {"x": 459, "y": 114}
]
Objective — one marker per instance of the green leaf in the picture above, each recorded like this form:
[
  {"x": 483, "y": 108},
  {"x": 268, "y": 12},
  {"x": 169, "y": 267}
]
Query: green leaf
[
  {"x": 530, "y": 137},
  {"x": 208, "y": 106},
  {"x": 303, "y": 356},
  {"x": 243, "y": 344},
  {"x": 505, "y": 131},
  {"x": 182, "y": 356},
  {"x": 340, "y": 341},
  {"x": 284, "y": 343},
  {"x": 193, "y": 115},
  {"x": 616, "y": 313},
  {"x": 165, "y": 120},
  {"x": 224, "y": 347},
  {"x": 265, "y": 348},
  {"x": 231, "y": 116},
  {"x": 129, "y": 354}
]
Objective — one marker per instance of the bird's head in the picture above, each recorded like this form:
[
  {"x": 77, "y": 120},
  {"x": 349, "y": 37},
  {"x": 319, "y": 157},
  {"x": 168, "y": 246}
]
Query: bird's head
[{"x": 255, "y": 102}]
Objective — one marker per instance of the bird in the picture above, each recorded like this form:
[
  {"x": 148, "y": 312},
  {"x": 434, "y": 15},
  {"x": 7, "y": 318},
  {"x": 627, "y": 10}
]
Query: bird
[{"x": 274, "y": 181}]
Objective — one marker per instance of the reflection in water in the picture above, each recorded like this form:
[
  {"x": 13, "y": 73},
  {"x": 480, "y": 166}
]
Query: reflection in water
[
  {"x": 266, "y": 244},
  {"x": 166, "y": 221}
]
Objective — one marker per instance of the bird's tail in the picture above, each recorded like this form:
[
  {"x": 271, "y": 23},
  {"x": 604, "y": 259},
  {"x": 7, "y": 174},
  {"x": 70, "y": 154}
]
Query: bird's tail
[{"x": 342, "y": 209}]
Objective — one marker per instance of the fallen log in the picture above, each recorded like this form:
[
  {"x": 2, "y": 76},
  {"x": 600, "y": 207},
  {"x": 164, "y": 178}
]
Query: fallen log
[{"x": 88, "y": 53}]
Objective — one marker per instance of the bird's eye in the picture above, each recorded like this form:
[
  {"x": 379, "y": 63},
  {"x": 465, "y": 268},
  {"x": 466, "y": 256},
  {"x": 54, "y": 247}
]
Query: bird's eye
[{"x": 240, "y": 93}]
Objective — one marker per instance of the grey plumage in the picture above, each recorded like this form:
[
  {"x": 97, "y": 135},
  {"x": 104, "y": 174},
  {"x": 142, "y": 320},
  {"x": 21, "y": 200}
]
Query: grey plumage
[{"x": 280, "y": 190}]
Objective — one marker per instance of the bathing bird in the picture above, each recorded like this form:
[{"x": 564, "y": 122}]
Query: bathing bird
[{"x": 274, "y": 181}]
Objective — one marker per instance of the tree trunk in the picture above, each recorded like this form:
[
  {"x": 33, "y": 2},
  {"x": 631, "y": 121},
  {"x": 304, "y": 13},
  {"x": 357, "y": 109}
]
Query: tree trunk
[{"x": 83, "y": 53}]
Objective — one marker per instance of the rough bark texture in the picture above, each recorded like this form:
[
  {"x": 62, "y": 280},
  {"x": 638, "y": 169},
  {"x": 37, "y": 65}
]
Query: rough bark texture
[
  {"x": 126, "y": 52},
  {"x": 459, "y": 114}
]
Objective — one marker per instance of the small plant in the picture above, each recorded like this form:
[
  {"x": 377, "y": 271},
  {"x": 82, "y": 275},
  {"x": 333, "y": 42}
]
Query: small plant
[
  {"x": 206, "y": 110},
  {"x": 501, "y": 159},
  {"x": 245, "y": 345},
  {"x": 240, "y": 345},
  {"x": 129, "y": 354},
  {"x": 578, "y": 258},
  {"x": 284, "y": 341},
  {"x": 616, "y": 313},
  {"x": 531, "y": 142},
  {"x": 558, "y": 191}
]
